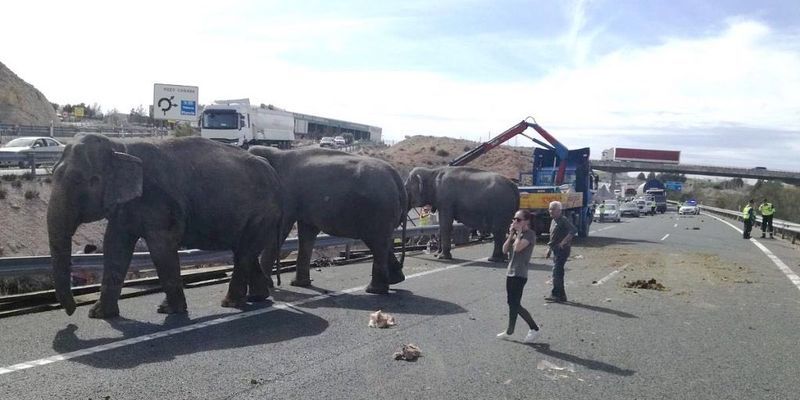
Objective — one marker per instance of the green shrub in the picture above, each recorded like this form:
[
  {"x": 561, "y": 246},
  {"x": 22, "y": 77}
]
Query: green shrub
[
  {"x": 16, "y": 184},
  {"x": 27, "y": 176},
  {"x": 442, "y": 153},
  {"x": 467, "y": 148},
  {"x": 9, "y": 178},
  {"x": 3, "y": 193},
  {"x": 31, "y": 194},
  {"x": 182, "y": 130},
  {"x": 432, "y": 148}
]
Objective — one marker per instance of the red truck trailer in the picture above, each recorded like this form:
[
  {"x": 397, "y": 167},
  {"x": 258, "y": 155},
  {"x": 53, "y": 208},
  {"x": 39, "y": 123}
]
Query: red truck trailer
[{"x": 641, "y": 155}]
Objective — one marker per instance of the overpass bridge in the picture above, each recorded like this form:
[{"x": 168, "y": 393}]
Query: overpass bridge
[{"x": 745, "y": 173}]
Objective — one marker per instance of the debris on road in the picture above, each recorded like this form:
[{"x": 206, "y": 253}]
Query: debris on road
[
  {"x": 409, "y": 352},
  {"x": 379, "y": 319},
  {"x": 652, "y": 284}
]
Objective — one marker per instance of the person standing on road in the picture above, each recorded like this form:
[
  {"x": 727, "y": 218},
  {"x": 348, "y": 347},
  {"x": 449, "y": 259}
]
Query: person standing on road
[
  {"x": 749, "y": 216},
  {"x": 767, "y": 211},
  {"x": 520, "y": 242},
  {"x": 561, "y": 233}
]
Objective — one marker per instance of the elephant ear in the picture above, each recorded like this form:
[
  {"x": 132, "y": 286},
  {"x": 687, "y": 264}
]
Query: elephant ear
[{"x": 126, "y": 180}]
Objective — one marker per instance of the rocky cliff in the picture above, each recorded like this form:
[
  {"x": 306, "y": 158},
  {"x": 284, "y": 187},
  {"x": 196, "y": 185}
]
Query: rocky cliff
[{"x": 21, "y": 103}]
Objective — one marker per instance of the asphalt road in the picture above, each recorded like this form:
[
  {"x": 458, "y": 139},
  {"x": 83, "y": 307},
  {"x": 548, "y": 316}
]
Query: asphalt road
[{"x": 725, "y": 327}]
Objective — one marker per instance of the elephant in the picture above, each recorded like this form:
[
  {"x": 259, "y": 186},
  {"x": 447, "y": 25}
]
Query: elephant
[
  {"x": 344, "y": 195},
  {"x": 186, "y": 192},
  {"x": 479, "y": 199}
]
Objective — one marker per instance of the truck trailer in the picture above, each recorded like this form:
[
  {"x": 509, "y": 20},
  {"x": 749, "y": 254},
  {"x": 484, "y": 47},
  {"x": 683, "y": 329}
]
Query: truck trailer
[
  {"x": 236, "y": 122},
  {"x": 655, "y": 188},
  {"x": 641, "y": 155}
]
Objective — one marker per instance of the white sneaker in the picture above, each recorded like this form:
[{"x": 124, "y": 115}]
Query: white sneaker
[
  {"x": 504, "y": 336},
  {"x": 531, "y": 336}
]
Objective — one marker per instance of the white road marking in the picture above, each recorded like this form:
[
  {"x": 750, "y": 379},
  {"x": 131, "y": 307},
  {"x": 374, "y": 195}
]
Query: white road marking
[
  {"x": 793, "y": 277},
  {"x": 675, "y": 226},
  {"x": 665, "y": 236},
  {"x": 192, "y": 327},
  {"x": 602, "y": 229},
  {"x": 611, "y": 275}
]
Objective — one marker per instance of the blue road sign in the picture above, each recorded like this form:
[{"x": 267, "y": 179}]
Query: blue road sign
[
  {"x": 188, "y": 107},
  {"x": 674, "y": 186}
]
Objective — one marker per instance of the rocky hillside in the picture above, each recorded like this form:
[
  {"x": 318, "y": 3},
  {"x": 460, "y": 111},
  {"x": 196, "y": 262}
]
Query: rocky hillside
[
  {"x": 21, "y": 103},
  {"x": 429, "y": 151}
]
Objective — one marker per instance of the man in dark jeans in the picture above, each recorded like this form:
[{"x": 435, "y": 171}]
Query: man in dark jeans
[{"x": 561, "y": 233}]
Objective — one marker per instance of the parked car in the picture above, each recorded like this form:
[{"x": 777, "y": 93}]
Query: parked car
[
  {"x": 608, "y": 212},
  {"x": 689, "y": 208},
  {"x": 327, "y": 142},
  {"x": 46, "y": 146},
  {"x": 641, "y": 204},
  {"x": 339, "y": 141},
  {"x": 629, "y": 209}
]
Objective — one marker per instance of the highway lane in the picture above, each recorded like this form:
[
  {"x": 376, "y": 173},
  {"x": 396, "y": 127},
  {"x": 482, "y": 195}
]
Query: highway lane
[{"x": 710, "y": 335}]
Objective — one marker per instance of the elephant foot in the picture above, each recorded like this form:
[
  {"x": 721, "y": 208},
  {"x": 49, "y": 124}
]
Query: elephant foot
[
  {"x": 103, "y": 311},
  {"x": 270, "y": 284},
  {"x": 396, "y": 277},
  {"x": 166, "y": 308},
  {"x": 497, "y": 259},
  {"x": 257, "y": 298},
  {"x": 227, "y": 302},
  {"x": 444, "y": 256},
  {"x": 377, "y": 288},
  {"x": 301, "y": 282}
]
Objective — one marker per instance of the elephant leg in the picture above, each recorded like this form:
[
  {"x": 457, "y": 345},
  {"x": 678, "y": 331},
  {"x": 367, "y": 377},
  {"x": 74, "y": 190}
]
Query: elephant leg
[
  {"x": 445, "y": 231},
  {"x": 118, "y": 251},
  {"x": 379, "y": 284},
  {"x": 270, "y": 255},
  {"x": 306, "y": 235},
  {"x": 237, "y": 287},
  {"x": 395, "y": 269},
  {"x": 497, "y": 254},
  {"x": 164, "y": 253}
]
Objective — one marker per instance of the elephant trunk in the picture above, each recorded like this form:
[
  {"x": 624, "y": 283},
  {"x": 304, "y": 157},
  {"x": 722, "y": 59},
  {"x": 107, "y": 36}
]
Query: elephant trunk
[{"x": 61, "y": 225}]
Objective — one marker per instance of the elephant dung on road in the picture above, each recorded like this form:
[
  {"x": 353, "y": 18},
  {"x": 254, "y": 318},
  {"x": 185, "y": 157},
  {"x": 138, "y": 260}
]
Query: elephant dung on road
[
  {"x": 479, "y": 199},
  {"x": 343, "y": 195},
  {"x": 189, "y": 192}
]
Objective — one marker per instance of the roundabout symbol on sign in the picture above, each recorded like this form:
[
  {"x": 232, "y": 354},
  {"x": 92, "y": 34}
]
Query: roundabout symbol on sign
[{"x": 166, "y": 107}]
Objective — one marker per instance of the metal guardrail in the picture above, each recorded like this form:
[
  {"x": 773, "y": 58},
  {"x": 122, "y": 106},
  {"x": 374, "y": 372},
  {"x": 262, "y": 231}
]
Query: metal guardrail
[
  {"x": 784, "y": 228},
  {"x": 29, "y": 159},
  {"x": 22, "y": 266}
]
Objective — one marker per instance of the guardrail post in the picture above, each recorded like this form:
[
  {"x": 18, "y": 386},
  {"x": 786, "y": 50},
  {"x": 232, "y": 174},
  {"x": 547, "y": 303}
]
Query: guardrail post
[
  {"x": 32, "y": 163},
  {"x": 347, "y": 251}
]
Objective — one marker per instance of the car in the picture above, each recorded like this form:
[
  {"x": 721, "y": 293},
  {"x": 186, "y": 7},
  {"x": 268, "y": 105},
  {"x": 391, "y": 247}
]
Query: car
[
  {"x": 629, "y": 209},
  {"x": 760, "y": 168},
  {"x": 39, "y": 145},
  {"x": 339, "y": 141},
  {"x": 608, "y": 212},
  {"x": 689, "y": 208},
  {"x": 641, "y": 204},
  {"x": 327, "y": 142}
]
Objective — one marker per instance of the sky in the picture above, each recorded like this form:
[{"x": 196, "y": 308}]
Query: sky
[{"x": 717, "y": 80}]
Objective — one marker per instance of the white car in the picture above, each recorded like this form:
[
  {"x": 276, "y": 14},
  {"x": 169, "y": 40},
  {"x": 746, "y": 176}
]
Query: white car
[
  {"x": 629, "y": 208},
  {"x": 608, "y": 212},
  {"x": 689, "y": 208},
  {"x": 339, "y": 141},
  {"x": 46, "y": 146}
]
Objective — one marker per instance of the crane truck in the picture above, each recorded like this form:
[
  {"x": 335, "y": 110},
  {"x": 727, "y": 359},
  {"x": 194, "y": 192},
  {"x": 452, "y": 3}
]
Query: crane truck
[
  {"x": 558, "y": 174},
  {"x": 236, "y": 122}
]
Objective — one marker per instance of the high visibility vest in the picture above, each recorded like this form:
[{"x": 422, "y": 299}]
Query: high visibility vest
[
  {"x": 425, "y": 219},
  {"x": 766, "y": 209},
  {"x": 746, "y": 212}
]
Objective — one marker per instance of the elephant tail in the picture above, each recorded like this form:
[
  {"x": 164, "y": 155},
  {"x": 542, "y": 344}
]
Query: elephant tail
[
  {"x": 403, "y": 238},
  {"x": 278, "y": 251}
]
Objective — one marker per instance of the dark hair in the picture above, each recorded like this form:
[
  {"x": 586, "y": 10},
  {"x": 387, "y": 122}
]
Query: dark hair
[{"x": 526, "y": 215}]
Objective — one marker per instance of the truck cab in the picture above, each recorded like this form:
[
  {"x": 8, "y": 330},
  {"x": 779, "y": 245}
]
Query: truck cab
[{"x": 236, "y": 123}]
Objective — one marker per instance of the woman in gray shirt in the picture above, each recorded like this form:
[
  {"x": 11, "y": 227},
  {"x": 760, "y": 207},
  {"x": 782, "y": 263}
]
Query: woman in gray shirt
[{"x": 519, "y": 243}]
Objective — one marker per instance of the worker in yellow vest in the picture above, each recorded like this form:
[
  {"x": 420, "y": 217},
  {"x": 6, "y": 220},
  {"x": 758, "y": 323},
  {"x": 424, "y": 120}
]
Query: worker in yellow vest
[
  {"x": 767, "y": 210},
  {"x": 749, "y": 216}
]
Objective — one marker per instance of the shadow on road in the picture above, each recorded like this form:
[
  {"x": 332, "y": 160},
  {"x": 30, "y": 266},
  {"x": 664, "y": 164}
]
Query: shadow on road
[
  {"x": 618, "y": 313},
  {"x": 399, "y": 301},
  {"x": 602, "y": 241},
  {"x": 544, "y": 348},
  {"x": 273, "y": 327}
]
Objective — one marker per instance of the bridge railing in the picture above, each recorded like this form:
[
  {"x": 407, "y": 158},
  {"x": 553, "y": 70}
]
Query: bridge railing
[{"x": 24, "y": 266}]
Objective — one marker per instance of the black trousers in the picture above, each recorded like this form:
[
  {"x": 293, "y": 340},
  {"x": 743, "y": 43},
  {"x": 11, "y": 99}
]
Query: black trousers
[
  {"x": 748, "y": 226},
  {"x": 514, "y": 288},
  {"x": 766, "y": 222}
]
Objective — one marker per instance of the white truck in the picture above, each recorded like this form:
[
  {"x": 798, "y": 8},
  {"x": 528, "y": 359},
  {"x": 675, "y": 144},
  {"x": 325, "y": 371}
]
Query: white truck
[{"x": 237, "y": 123}]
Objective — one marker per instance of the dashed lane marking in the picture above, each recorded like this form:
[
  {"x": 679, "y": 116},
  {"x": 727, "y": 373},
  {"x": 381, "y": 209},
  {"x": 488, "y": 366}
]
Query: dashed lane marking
[
  {"x": 611, "y": 275},
  {"x": 675, "y": 226},
  {"x": 206, "y": 324},
  {"x": 665, "y": 236},
  {"x": 602, "y": 229},
  {"x": 793, "y": 277}
]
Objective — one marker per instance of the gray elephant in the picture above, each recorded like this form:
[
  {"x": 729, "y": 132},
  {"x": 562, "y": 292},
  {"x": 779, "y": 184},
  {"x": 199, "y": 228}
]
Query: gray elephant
[
  {"x": 189, "y": 192},
  {"x": 342, "y": 195},
  {"x": 479, "y": 199}
]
